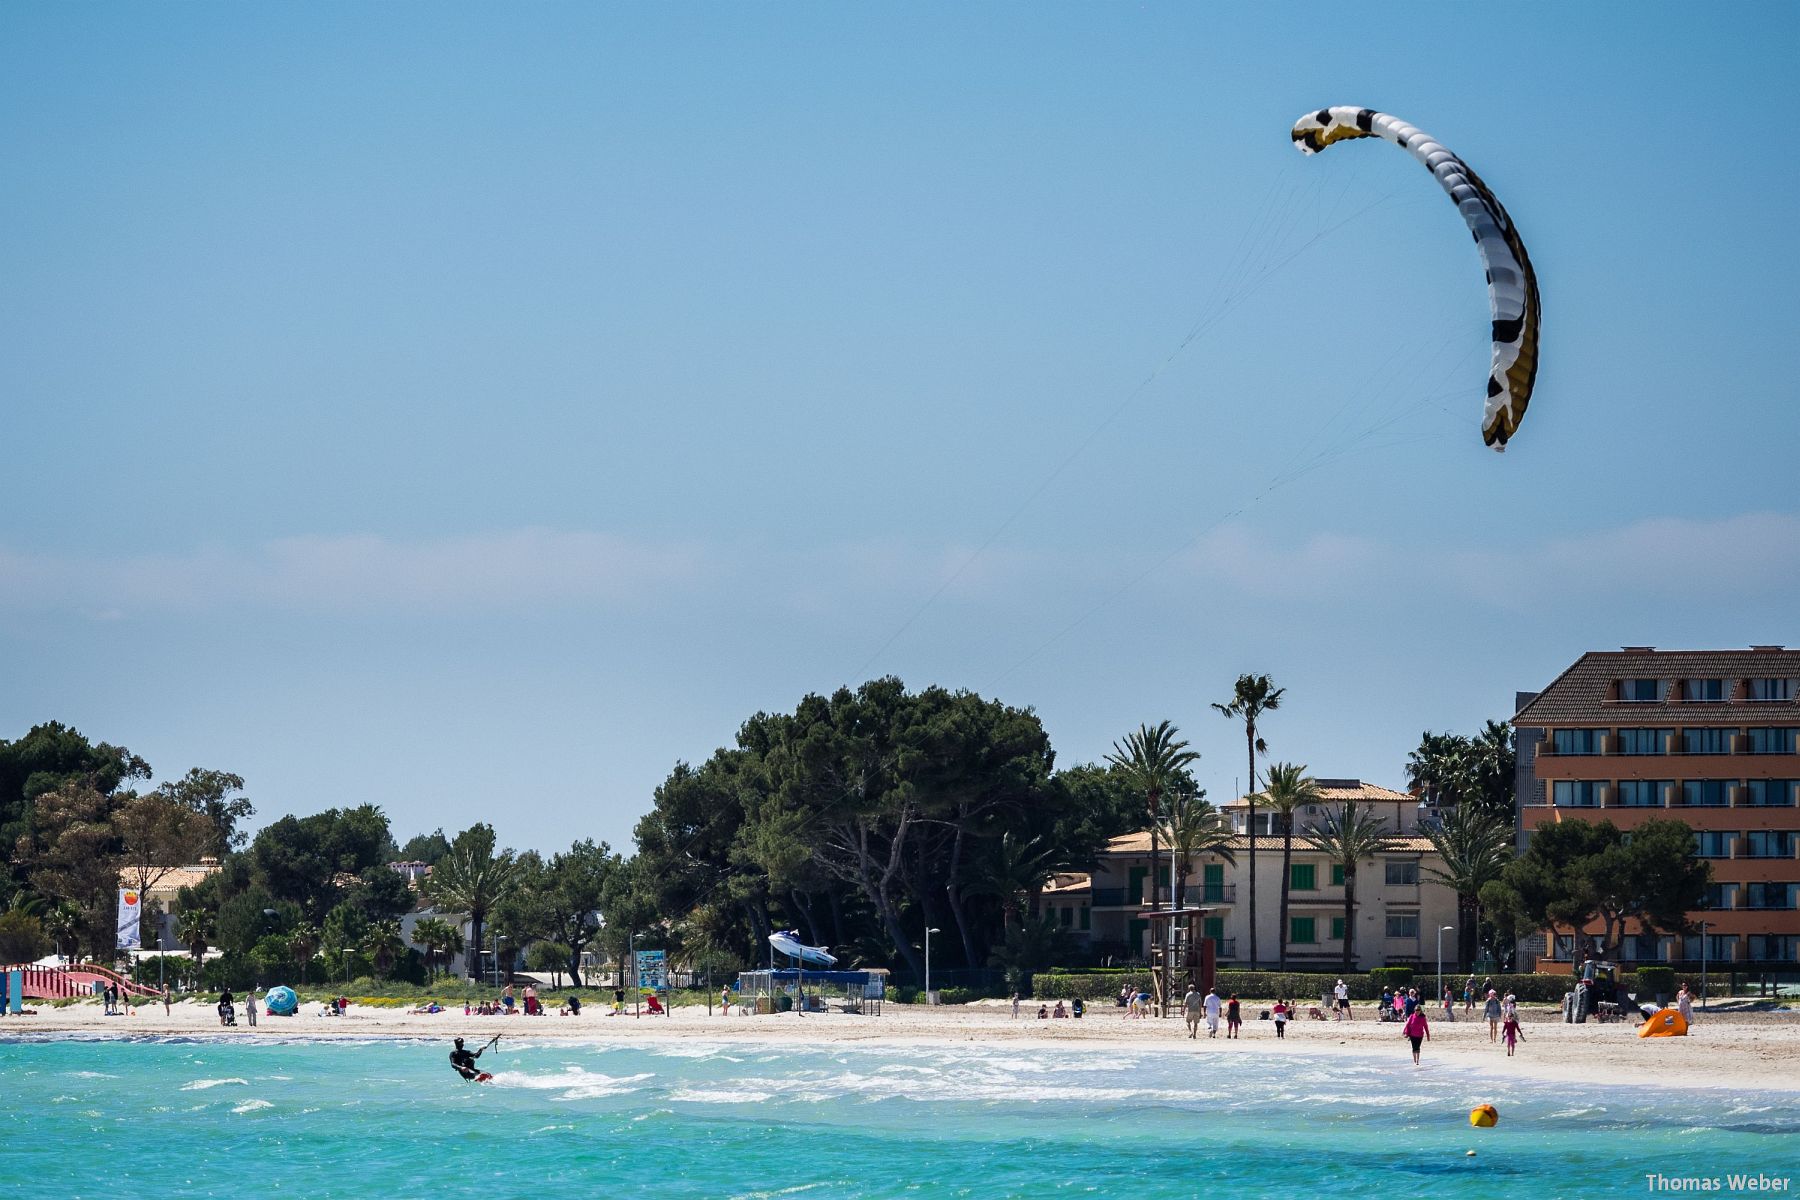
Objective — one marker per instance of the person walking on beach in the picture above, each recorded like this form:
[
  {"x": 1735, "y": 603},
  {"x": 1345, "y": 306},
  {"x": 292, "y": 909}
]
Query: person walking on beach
[
  {"x": 1469, "y": 996},
  {"x": 1234, "y": 1016},
  {"x": 1512, "y": 1034},
  {"x": 1015, "y": 1006},
  {"x": 1341, "y": 995},
  {"x": 1416, "y": 1030},
  {"x": 1192, "y": 1005},
  {"x": 250, "y": 1007},
  {"x": 1491, "y": 1011},
  {"x": 1212, "y": 1012},
  {"x": 1281, "y": 1019},
  {"x": 1684, "y": 1003}
]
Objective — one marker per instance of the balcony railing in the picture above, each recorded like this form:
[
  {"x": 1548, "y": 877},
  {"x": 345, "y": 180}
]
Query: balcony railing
[
  {"x": 1212, "y": 893},
  {"x": 1225, "y": 947},
  {"x": 1109, "y": 897}
]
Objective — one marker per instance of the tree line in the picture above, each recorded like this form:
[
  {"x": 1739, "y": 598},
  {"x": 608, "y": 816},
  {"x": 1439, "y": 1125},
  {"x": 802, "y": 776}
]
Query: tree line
[{"x": 861, "y": 820}]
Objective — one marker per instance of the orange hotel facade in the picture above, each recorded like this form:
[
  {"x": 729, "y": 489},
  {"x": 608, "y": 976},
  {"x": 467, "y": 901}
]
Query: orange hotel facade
[{"x": 1711, "y": 738}]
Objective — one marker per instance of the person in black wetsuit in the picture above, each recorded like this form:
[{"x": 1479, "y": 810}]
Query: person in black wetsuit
[{"x": 464, "y": 1061}]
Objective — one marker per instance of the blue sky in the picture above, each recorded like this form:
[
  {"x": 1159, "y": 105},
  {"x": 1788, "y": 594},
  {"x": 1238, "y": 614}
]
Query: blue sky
[{"x": 476, "y": 411}]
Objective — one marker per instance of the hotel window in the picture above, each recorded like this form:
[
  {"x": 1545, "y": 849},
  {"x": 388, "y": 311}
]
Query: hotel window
[
  {"x": 1712, "y": 843},
  {"x": 1302, "y": 930},
  {"x": 1579, "y": 741},
  {"x": 1643, "y": 947},
  {"x": 1575, "y": 793},
  {"x": 1337, "y": 874},
  {"x": 1719, "y": 896},
  {"x": 1068, "y": 917},
  {"x": 1705, "y": 793},
  {"x": 1643, "y": 741},
  {"x": 1771, "y": 947},
  {"x": 1642, "y": 793},
  {"x": 1772, "y": 793},
  {"x": 1337, "y": 929},
  {"x": 1771, "y": 689},
  {"x": 1706, "y": 691},
  {"x": 1769, "y": 895},
  {"x": 1214, "y": 927},
  {"x": 1774, "y": 739},
  {"x": 1303, "y": 877},
  {"x": 1640, "y": 691},
  {"x": 1403, "y": 925},
  {"x": 1402, "y": 872},
  {"x": 1086, "y": 917},
  {"x": 1706, "y": 741},
  {"x": 1768, "y": 843},
  {"x": 1565, "y": 946},
  {"x": 1719, "y": 947}
]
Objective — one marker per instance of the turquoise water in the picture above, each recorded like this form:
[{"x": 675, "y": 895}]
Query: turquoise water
[{"x": 189, "y": 1118}]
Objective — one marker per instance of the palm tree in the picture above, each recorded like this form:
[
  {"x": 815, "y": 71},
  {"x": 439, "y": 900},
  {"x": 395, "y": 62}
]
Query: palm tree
[
  {"x": 303, "y": 943},
  {"x": 1474, "y": 847},
  {"x": 472, "y": 878},
  {"x": 196, "y": 932},
  {"x": 1153, "y": 761},
  {"x": 1015, "y": 875},
  {"x": 1346, "y": 839},
  {"x": 383, "y": 944},
  {"x": 61, "y": 923},
  {"x": 1289, "y": 786},
  {"x": 1251, "y": 697},
  {"x": 1194, "y": 828},
  {"x": 438, "y": 937}
]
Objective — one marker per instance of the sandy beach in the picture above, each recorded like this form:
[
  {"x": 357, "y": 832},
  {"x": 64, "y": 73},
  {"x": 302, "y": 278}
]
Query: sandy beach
[{"x": 1743, "y": 1051}]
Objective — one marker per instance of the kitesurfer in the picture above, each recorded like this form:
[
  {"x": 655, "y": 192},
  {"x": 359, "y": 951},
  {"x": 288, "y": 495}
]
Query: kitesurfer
[{"x": 463, "y": 1061}]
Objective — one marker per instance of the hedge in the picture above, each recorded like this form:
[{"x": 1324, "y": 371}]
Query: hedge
[{"x": 1096, "y": 986}]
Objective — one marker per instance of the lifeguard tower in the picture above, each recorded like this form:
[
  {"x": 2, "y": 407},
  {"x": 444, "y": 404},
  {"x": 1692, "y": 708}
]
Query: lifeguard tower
[{"x": 1181, "y": 956}]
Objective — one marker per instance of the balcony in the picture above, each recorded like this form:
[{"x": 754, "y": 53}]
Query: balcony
[
  {"x": 1109, "y": 898},
  {"x": 1225, "y": 947},
  {"x": 1212, "y": 893}
]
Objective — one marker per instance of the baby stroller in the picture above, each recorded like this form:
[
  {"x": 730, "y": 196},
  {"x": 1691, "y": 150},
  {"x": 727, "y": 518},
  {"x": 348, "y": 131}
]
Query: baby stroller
[{"x": 227, "y": 1013}]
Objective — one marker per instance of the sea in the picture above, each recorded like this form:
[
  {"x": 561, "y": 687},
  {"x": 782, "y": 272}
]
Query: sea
[{"x": 250, "y": 1119}]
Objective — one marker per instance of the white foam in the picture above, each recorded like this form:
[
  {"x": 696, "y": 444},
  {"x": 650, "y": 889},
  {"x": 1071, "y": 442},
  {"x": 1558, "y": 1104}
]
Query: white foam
[
  {"x": 200, "y": 1085},
  {"x": 252, "y": 1105}
]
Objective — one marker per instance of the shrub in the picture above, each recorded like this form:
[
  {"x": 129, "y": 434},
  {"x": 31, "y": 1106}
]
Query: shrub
[
  {"x": 1391, "y": 977},
  {"x": 1658, "y": 982},
  {"x": 22, "y": 937}
]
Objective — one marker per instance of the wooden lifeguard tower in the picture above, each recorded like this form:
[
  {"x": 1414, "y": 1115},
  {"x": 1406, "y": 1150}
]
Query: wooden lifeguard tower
[{"x": 1181, "y": 956}]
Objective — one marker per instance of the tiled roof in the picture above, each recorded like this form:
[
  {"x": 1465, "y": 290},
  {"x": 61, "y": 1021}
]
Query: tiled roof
[
  {"x": 174, "y": 881},
  {"x": 1585, "y": 693},
  {"x": 1062, "y": 884},
  {"x": 1139, "y": 843},
  {"x": 1333, "y": 791}
]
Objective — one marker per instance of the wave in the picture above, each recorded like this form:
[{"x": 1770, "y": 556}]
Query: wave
[
  {"x": 249, "y": 1106},
  {"x": 200, "y": 1085}
]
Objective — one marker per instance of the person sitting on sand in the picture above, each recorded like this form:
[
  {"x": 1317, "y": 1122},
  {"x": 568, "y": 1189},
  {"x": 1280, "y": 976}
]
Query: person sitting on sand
[
  {"x": 1059, "y": 1011},
  {"x": 1076, "y": 1007},
  {"x": 1043, "y": 1012}
]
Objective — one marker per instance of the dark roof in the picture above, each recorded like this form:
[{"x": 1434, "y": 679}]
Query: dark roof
[{"x": 1585, "y": 693}]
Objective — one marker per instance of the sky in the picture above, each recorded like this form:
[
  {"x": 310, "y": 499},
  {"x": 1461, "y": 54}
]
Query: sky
[{"x": 477, "y": 410}]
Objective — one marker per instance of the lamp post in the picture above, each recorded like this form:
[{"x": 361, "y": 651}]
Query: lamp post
[
  {"x": 928, "y": 932},
  {"x": 498, "y": 938},
  {"x": 1442, "y": 930},
  {"x": 637, "y": 992},
  {"x": 1703, "y": 925},
  {"x": 347, "y": 953}
]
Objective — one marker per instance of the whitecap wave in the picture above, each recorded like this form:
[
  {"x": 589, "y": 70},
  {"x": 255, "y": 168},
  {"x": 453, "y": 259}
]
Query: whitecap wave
[
  {"x": 249, "y": 1106},
  {"x": 200, "y": 1085}
]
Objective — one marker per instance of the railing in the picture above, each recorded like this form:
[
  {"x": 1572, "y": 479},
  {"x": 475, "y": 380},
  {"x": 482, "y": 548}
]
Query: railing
[
  {"x": 1225, "y": 947},
  {"x": 67, "y": 983},
  {"x": 1109, "y": 898},
  {"x": 1213, "y": 893}
]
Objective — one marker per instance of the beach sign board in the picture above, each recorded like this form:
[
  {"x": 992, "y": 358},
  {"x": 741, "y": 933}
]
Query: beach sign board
[
  {"x": 131, "y": 908},
  {"x": 652, "y": 970}
]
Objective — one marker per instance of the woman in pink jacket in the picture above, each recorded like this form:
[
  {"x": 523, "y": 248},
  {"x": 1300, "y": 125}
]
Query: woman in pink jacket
[{"x": 1416, "y": 1030}]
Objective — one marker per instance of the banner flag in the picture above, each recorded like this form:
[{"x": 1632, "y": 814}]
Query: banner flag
[{"x": 130, "y": 909}]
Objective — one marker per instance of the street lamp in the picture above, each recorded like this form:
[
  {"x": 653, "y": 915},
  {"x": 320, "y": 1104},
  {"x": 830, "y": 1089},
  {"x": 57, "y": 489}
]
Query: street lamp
[
  {"x": 1442, "y": 930},
  {"x": 498, "y": 938},
  {"x": 1703, "y": 925},
  {"x": 637, "y": 990},
  {"x": 928, "y": 932},
  {"x": 347, "y": 953}
]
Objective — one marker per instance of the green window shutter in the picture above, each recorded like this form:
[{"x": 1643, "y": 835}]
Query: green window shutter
[
  {"x": 1300, "y": 930},
  {"x": 1213, "y": 873},
  {"x": 1337, "y": 875},
  {"x": 1215, "y": 927},
  {"x": 1068, "y": 917},
  {"x": 1337, "y": 929},
  {"x": 1086, "y": 916},
  {"x": 1302, "y": 877}
]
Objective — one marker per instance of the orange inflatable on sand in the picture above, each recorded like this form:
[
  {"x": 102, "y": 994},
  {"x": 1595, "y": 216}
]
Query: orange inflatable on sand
[{"x": 1665, "y": 1022}]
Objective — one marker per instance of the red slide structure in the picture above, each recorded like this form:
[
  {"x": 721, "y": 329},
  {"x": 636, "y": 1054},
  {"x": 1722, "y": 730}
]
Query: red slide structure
[{"x": 64, "y": 983}]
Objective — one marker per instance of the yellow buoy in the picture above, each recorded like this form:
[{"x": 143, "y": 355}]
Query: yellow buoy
[{"x": 1484, "y": 1116}]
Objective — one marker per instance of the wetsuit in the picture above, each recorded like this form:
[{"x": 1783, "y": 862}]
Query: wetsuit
[{"x": 464, "y": 1062}]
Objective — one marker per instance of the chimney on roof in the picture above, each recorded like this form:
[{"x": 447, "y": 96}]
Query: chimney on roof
[{"x": 1637, "y": 649}]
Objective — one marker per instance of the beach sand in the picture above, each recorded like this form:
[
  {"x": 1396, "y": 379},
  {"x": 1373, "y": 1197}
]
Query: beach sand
[{"x": 1743, "y": 1051}]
